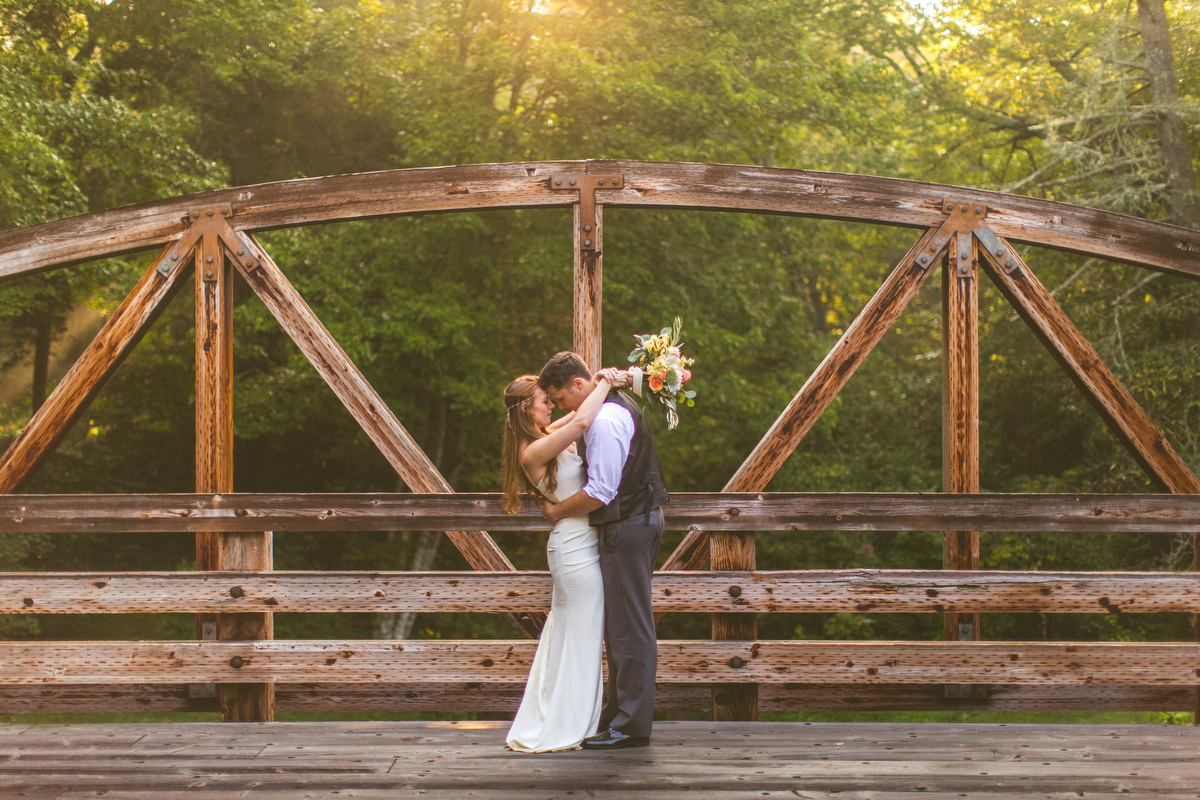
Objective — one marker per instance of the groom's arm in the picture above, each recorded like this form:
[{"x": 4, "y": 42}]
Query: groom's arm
[
  {"x": 576, "y": 505},
  {"x": 608, "y": 442}
]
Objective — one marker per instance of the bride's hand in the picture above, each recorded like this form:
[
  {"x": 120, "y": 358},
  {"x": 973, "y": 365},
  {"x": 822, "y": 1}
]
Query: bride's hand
[{"x": 616, "y": 378}]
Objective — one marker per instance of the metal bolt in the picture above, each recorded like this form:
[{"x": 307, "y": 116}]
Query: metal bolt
[
  {"x": 558, "y": 181},
  {"x": 736, "y": 663},
  {"x": 587, "y": 242},
  {"x": 236, "y": 662},
  {"x": 571, "y": 181},
  {"x": 999, "y": 251},
  {"x": 209, "y": 259},
  {"x": 224, "y": 210},
  {"x": 236, "y": 592},
  {"x": 587, "y": 227},
  {"x": 241, "y": 251},
  {"x": 978, "y": 209},
  {"x": 963, "y": 255},
  {"x": 174, "y": 256},
  {"x": 1008, "y": 263},
  {"x": 196, "y": 215},
  {"x": 924, "y": 259},
  {"x": 239, "y": 512},
  {"x": 208, "y": 274},
  {"x": 600, "y": 181},
  {"x": 962, "y": 208},
  {"x": 735, "y": 591},
  {"x": 209, "y": 212}
]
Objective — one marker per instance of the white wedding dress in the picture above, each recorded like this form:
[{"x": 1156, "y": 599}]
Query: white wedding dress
[{"x": 562, "y": 701}]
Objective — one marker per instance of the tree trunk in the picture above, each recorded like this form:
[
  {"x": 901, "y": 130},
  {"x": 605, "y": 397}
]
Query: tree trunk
[
  {"x": 1172, "y": 132},
  {"x": 41, "y": 364}
]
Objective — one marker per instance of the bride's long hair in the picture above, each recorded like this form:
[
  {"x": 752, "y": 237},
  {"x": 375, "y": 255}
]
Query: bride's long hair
[{"x": 520, "y": 429}]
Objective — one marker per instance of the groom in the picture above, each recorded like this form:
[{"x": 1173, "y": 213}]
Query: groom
[{"x": 622, "y": 497}]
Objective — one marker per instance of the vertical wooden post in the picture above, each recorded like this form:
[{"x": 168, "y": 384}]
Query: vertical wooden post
[
  {"x": 589, "y": 290},
  {"x": 960, "y": 416},
  {"x": 214, "y": 469},
  {"x": 733, "y": 550}
]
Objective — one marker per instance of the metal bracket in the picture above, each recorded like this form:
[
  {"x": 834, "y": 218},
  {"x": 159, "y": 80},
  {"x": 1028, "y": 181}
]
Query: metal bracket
[
  {"x": 962, "y": 219},
  {"x": 209, "y": 228},
  {"x": 1001, "y": 253},
  {"x": 587, "y": 186}
]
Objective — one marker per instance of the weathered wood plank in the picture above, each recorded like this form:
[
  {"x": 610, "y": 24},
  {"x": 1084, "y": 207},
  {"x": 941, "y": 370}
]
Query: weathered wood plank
[
  {"x": 89, "y": 374},
  {"x": 1124, "y": 417},
  {"x": 682, "y": 661},
  {"x": 685, "y": 759},
  {"x": 960, "y": 412},
  {"x": 588, "y": 318},
  {"x": 834, "y": 371},
  {"x": 761, "y": 511},
  {"x": 367, "y": 408},
  {"x": 792, "y": 592},
  {"x": 506, "y": 697},
  {"x": 647, "y": 184},
  {"x": 729, "y": 551}
]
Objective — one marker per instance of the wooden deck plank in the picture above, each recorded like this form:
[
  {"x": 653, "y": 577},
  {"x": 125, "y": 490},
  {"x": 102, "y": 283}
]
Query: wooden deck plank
[{"x": 713, "y": 760}]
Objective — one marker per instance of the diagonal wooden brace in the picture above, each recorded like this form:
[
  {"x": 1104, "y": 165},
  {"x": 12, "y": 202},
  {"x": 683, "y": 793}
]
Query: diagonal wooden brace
[
  {"x": 368, "y": 409},
  {"x": 824, "y": 383}
]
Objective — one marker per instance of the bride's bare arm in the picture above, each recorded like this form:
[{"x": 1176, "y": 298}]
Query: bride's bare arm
[
  {"x": 539, "y": 453},
  {"x": 558, "y": 423}
]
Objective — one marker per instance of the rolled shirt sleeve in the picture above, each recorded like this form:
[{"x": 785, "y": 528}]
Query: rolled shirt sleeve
[{"x": 608, "y": 442}]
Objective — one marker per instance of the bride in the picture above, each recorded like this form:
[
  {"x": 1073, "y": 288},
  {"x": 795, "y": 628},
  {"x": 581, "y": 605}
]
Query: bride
[{"x": 562, "y": 701}]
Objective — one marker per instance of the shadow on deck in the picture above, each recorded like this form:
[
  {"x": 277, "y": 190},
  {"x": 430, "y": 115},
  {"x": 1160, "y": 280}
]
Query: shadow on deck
[{"x": 699, "y": 759}]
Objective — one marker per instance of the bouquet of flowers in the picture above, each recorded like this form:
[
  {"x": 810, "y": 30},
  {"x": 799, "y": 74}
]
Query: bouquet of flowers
[{"x": 660, "y": 366}]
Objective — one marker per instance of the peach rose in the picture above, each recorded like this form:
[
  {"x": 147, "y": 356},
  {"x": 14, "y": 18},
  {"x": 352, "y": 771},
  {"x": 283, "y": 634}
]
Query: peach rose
[
  {"x": 687, "y": 376},
  {"x": 656, "y": 383}
]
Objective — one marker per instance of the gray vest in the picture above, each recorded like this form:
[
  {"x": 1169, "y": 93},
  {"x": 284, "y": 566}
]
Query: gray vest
[{"x": 642, "y": 487}]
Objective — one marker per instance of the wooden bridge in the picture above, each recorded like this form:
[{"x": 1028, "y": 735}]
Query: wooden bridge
[{"x": 236, "y": 665}]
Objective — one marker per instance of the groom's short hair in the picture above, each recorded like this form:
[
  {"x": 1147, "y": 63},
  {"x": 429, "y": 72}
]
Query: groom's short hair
[{"x": 563, "y": 368}]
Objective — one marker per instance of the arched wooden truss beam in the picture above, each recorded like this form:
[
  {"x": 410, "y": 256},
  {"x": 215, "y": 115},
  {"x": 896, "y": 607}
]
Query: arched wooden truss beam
[
  {"x": 211, "y": 233},
  {"x": 646, "y": 184}
]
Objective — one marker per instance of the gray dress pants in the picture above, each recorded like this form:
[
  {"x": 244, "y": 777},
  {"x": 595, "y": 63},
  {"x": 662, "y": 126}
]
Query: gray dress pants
[{"x": 628, "y": 550}]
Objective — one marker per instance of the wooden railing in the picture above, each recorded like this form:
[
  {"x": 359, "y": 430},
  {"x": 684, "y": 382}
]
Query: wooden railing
[{"x": 488, "y": 674}]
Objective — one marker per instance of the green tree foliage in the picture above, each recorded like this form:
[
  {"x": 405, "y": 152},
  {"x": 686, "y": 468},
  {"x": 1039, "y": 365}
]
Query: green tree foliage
[{"x": 113, "y": 102}]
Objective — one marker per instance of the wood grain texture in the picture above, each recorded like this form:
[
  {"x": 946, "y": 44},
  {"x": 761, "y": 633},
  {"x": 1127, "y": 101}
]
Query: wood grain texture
[
  {"x": 450, "y": 760},
  {"x": 368, "y": 409},
  {"x": 727, "y": 593},
  {"x": 506, "y": 697},
  {"x": 960, "y": 409},
  {"x": 728, "y": 187},
  {"x": 91, "y": 371},
  {"x": 734, "y": 511},
  {"x": 730, "y": 551},
  {"x": 1124, "y": 417},
  {"x": 679, "y": 661},
  {"x": 239, "y": 702},
  {"x": 589, "y": 293},
  {"x": 838, "y": 366}
]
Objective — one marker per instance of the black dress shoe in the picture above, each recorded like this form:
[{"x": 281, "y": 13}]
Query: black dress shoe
[{"x": 612, "y": 739}]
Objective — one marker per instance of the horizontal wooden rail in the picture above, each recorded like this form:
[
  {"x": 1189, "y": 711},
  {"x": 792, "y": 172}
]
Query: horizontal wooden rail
[
  {"x": 646, "y": 184},
  {"x": 505, "y": 697},
  {"x": 682, "y": 661},
  {"x": 801, "y": 591},
  {"x": 730, "y": 511}
]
